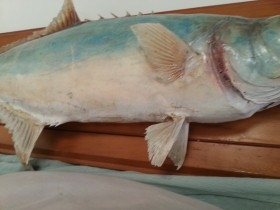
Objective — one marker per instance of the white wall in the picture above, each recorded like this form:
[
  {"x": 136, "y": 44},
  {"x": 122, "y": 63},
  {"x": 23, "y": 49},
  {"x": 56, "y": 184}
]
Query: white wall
[{"x": 25, "y": 14}]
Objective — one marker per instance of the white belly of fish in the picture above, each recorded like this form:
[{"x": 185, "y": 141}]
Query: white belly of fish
[{"x": 117, "y": 88}]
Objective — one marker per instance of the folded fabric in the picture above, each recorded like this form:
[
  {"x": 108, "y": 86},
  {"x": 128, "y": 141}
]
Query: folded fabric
[
  {"x": 229, "y": 193},
  {"x": 47, "y": 190}
]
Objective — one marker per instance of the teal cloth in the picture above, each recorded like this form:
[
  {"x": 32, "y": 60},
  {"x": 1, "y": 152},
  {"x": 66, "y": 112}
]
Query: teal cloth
[{"x": 227, "y": 193}]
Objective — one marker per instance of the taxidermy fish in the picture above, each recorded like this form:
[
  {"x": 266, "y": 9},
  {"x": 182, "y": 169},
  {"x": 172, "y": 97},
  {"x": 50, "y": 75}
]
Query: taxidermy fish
[{"x": 169, "y": 69}]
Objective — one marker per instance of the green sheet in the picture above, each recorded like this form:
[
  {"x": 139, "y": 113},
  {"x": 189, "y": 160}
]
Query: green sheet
[{"x": 227, "y": 193}]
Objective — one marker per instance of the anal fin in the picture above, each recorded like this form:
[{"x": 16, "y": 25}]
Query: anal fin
[
  {"x": 24, "y": 128},
  {"x": 168, "y": 139}
]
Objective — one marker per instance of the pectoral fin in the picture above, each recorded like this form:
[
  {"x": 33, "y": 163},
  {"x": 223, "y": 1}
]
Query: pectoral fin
[
  {"x": 166, "y": 53},
  {"x": 24, "y": 128},
  {"x": 168, "y": 139}
]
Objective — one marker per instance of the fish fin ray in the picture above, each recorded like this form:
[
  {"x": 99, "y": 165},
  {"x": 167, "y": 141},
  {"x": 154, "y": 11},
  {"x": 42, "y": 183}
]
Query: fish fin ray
[
  {"x": 24, "y": 128},
  {"x": 179, "y": 149},
  {"x": 161, "y": 138},
  {"x": 165, "y": 52},
  {"x": 67, "y": 17}
]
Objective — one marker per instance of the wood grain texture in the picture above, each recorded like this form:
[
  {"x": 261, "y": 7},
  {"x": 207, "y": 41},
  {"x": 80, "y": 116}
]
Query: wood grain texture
[
  {"x": 253, "y": 9},
  {"x": 248, "y": 147}
]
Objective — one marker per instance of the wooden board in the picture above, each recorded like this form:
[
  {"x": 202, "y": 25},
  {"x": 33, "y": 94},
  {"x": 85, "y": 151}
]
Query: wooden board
[{"x": 248, "y": 147}]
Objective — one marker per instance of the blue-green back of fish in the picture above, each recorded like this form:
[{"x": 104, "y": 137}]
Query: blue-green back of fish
[{"x": 96, "y": 38}]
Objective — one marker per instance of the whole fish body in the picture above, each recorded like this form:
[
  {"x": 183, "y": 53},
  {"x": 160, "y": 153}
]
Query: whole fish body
[{"x": 170, "y": 69}]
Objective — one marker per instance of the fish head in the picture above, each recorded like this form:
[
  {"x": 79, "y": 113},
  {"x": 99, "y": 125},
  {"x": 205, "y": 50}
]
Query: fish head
[
  {"x": 267, "y": 47},
  {"x": 246, "y": 54}
]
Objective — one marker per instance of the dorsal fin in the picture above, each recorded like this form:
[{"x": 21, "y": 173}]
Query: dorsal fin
[{"x": 66, "y": 18}]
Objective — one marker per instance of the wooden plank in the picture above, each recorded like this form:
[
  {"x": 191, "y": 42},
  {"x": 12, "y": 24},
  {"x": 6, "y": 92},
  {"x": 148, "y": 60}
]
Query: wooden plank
[
  {"x": 248, "y": 147},
  {"x": 253, "y": 9},
  {"x": 126, "y": 152}
]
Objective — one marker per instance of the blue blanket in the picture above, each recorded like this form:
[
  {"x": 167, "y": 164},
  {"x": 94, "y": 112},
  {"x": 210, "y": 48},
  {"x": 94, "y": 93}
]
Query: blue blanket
[{"x": 227, "y": 193}]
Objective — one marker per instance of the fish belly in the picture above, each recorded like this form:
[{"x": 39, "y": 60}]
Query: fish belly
[{"x": 116, "y": 88}]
